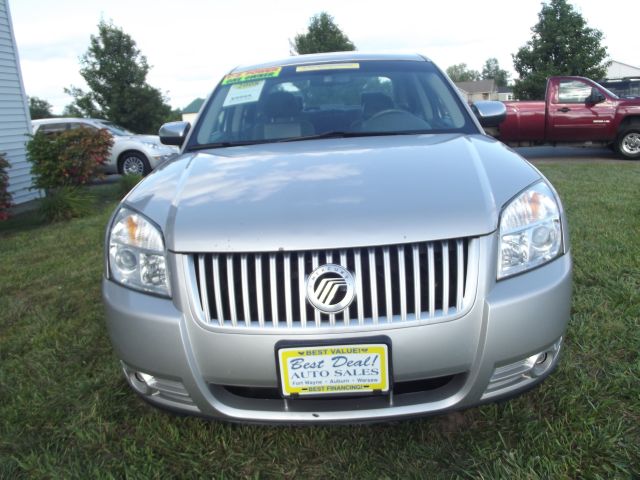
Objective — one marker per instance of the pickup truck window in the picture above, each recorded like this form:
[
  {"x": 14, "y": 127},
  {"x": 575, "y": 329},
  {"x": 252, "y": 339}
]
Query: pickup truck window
[{"x": 573, "y": 91}]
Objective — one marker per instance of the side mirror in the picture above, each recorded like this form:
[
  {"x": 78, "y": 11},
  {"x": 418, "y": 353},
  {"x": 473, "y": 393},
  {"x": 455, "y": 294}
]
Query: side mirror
[
  {"x": 595, "y": 97},
  {"x": 174, "y": 133},
  {"x": 489, "y": 113}
]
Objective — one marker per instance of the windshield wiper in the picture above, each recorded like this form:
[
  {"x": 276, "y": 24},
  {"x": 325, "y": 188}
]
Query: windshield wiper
[
  {"x": 343, "y": 134},
  {"x": 204, "y": 146},
  {"x": 331, "y": 134}
]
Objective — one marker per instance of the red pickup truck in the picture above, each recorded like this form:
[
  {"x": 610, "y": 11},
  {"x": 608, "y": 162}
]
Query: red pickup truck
[{"x": 578, "y": 111}]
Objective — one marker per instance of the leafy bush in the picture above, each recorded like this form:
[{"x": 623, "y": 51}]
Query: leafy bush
[
  {"x": 70, "y": 158},
  {"x": 5, "y": 196},
  {"x": 127, "y": 182},
  {"x": 65, "y": 203}
]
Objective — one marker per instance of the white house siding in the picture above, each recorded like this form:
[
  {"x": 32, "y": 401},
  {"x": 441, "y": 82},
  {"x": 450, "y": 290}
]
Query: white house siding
[
  {"x": 189, "y": 117},
  {"x": 622, "y": 70},
  {"x": 15, "y": 122}
]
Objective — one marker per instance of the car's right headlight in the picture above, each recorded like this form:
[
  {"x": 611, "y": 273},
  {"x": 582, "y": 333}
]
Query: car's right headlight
[
  {"x": 530, "y": 231},
  {"x": 136, "y": 253}
]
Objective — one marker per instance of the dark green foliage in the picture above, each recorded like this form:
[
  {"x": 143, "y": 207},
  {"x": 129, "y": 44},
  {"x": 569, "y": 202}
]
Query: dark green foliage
[
  {"x": 492, "y": 70},
  {"x": 461, "y": 73},
  {"x": 562, "y": 44},
  {"x": 116, "y": 73},
  {"x": 5, "y": 196},
  {"x": 65, "y": 203},
  {"x": 323, "y": 35},
  {"x": 71, "y": 158},
  {"x": 39, "y": 108},
  {"x": 127, "y": 182}
]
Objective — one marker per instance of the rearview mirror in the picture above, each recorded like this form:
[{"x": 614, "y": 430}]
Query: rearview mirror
[
  {"x": 489, "y": 113},
  {"x": 174, "y": 133}
]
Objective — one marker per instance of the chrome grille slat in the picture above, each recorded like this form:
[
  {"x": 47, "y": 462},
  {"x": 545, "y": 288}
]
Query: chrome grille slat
[
  {"x": 373, "y": 285},
  {"x": 217, "y": 288},
  {"x": 387, "y": 284},
  {"x": 359, "y": 296},
  {"x": 287, "y": 290},
  {"x": 203, "y": 291},
  {"x": 315, "y": 263},
  {"x": 259, "y": 291},
  {"x": 432, "y": 281},
  {"x": 417, "y": 291},
  {"x": 459, "y": 278},
  {"x": 343, "y": 261},
  {"x": 445, "y": 277},
  {"x": 302, "y": 290},
  {"x": 246, "y": 309},
  {"x": 231, "y": 291},
  {"x": 402, "y": 278},
  {"x": 415, "y": 282},
  {"x": 273, "y": 282}
]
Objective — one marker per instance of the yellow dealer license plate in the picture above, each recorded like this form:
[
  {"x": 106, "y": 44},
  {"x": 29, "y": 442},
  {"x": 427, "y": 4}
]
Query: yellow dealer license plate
[{"x": 334, "y": 369}]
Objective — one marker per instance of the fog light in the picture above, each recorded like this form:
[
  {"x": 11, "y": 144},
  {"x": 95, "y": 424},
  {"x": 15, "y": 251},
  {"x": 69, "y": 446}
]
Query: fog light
[
  {"x": 541, "y": 362},
  {"x": 541, "y": 358},
  {"x": 144, "y": 378}
]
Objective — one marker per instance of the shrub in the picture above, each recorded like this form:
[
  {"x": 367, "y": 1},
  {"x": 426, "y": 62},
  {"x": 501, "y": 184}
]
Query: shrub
[
  {"x": 5, "y": 196},
  {"x": 70, "y": 158},
  {"x": 65, "y": 203},
  {"x": 127, "y": 182}
]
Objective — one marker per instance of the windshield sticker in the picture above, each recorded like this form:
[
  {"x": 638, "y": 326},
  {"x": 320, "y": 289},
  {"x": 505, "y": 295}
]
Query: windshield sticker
[
  {"x": 328, "y": 66},
  {"x": 243, "y": 93},
  {"x": 251, "y": 75}
]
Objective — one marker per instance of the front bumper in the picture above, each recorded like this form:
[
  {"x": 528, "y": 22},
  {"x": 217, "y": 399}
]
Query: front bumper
[{"x": 487, "y": 354}]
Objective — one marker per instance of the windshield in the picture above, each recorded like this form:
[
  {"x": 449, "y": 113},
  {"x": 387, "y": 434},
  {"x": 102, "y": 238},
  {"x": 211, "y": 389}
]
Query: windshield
[
  {"x": 330, "y": 99},
  {"x": 115, "y": 129}
]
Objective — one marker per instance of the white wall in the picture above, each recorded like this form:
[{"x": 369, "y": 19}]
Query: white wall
[
  {"x": 15, "y": 122},
  {"x": 189, "y": 117}
]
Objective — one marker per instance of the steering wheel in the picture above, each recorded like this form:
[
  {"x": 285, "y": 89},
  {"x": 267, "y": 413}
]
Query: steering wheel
[
  {"x": 394, "y": 119},
  {"x": 384, "y": 113}
]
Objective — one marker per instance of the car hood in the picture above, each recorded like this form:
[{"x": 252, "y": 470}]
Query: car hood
[{"x": 332, "y": 193}]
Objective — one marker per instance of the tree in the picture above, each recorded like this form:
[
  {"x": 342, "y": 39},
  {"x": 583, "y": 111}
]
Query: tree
[
  {"x": 492, "y": 71},
  {"x": 460, "y": 73},
  {"x": 39, "y": 108},
  {"x": 561, "y": 44},
  {"x": 323, "y": 35},
  {"x": 116, "y": 73}
]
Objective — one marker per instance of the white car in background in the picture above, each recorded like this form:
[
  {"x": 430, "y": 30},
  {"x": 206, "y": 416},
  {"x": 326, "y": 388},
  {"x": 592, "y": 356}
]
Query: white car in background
[{"x": 130, "y": 153}]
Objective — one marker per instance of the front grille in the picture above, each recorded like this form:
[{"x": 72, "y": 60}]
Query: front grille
[
  {"x": 394, "y": 284},
  {"x": 399, "y": 388}
]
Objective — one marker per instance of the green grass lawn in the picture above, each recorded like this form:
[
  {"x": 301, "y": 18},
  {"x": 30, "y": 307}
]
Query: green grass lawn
[{"x": 65, "y": 410}]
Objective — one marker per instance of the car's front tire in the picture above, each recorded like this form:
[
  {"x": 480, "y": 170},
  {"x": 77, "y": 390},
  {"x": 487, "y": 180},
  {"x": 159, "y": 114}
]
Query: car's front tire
[
  {"x": 628, "y": 142},
  {"x": 133, "y": 163}
]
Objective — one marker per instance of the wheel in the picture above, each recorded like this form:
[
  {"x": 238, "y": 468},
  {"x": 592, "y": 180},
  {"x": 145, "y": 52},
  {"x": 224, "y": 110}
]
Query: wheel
[
  {"x": 628, "y": 143},
  {"x": 134, "y": 163}
]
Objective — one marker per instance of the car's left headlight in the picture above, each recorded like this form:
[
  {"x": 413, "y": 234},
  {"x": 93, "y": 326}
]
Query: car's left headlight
[
  {"x": 530, "y": 231},
  {"x": 136, "y": 253},
  {"x": 152, "y": 145}
]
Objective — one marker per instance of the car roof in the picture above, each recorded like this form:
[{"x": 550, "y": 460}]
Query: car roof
[
  {"x": 332, "y": 57},
  {"x": 42, "y": 121}
]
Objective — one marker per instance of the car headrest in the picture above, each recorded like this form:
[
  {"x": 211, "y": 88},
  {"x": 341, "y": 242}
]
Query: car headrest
[
  {"x": 375, "y": 102},
  {"x": 281, "y": 104}
]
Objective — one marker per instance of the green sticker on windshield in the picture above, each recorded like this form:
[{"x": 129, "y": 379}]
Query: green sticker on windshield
[{"x": 251, "y": 75}]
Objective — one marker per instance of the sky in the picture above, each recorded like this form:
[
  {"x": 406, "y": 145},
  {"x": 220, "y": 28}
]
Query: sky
[{"x": 191, "y": 44}]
